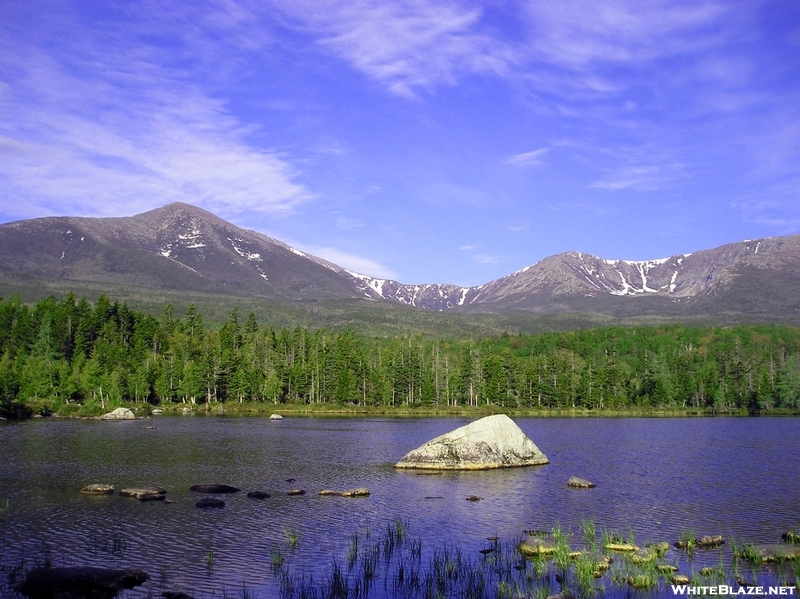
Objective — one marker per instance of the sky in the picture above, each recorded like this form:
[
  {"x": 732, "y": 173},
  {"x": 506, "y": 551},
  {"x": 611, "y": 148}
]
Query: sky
[{"x": 426, "y": 141}]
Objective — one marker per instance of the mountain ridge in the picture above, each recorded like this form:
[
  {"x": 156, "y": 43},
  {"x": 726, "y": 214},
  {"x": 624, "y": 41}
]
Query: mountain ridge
[{"x": 184, "y": 247}]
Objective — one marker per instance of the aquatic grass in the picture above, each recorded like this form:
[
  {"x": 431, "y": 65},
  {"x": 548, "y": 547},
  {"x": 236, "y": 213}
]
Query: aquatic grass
[
  {"x": 290, "y": 534},
  {"x": 276, "y": 560},
  {"x": 688, "y": 541},
  {"x": 209, "y": 559},
  {"x": 589, "y": 533},
  {"x": 352, "y": 551},
  {"x": 749, "y": 553}
]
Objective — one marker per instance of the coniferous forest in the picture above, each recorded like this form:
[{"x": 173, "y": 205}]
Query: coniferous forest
[{"x": 73, "y": 356}]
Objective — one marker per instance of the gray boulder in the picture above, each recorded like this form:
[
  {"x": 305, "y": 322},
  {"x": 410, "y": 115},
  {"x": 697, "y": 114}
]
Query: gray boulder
[
  {"x": 119, "y": 414},
  {"x": 97, "y": 583},
  {"x": 491, "y": 442}
]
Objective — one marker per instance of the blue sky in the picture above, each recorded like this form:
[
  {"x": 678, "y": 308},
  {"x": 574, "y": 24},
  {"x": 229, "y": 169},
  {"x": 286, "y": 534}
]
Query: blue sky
[{"x": 420, "y": 140}]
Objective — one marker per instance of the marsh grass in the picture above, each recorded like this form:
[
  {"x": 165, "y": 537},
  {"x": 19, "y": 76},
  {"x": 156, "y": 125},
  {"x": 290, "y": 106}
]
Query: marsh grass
[
  {"x": 290, "y": 534},
  {"x": 115, "y": 544},
  {"x": 589, "y": 534}
]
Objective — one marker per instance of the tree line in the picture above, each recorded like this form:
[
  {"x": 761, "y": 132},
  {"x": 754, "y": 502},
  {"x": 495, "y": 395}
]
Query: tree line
[{"x": 56, "y": 354}]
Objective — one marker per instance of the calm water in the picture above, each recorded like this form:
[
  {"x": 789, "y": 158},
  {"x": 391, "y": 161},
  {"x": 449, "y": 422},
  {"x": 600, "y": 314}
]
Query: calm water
[{"x": 657, "y": 477}]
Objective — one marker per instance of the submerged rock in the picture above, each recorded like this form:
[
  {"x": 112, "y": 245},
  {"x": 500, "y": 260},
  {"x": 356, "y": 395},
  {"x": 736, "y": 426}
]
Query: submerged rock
[
  {"x": 214, "y": 489},
  {"x": 491, "y": 442},
  {"x": 144, "y": 493},
  {"x": 360, "y": 492},
  {"x": 209, "y": 502},
  {"x": 580, "y": 483},
  {"x": 119, "y": 414},
  {"x": 258, "y": 495},
  {"x": 81, "y": 581},
  {"x": 294, "y": 492},
  {"x": 98, "y": 489}
]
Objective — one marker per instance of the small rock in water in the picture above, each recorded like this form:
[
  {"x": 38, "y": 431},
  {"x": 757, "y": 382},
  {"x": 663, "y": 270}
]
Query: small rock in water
[
  {"x": 536, "y": 546},
  {"x": 258, "y": 495},
  {"x": 210, "y": 502},
  {"x": 214, "y": 489},
  {"x": 580, "y": 483},
  {"x": 98, "y": 489},
  {"x": 474, "y": 498},
  {"x": 175, "y": 595},
  {"x": 275, "y": 417},
  {"x": 710, "y": 542},
  {"x": 296, "y": 492},
  {"x": 144, "y": 493},
  {"x": 360, "y": 492},
  {"x": 290, "y": 480}
]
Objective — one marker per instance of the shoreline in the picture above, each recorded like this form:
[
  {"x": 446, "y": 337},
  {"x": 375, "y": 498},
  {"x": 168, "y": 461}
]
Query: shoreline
[{"x": 356, "y": 411}]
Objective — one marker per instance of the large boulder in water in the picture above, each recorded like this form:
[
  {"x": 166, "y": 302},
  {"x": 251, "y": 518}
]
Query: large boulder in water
[
  {"x": 119, "y": 414},
  {"x": 491, "y": 442}
]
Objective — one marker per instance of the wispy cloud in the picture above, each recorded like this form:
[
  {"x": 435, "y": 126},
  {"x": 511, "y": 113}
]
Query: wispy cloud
[
  {"x": 528, "y": 159},
  {"x": 640, "y": 178},
  {"x": 467, "y": 248},
  {"x": 409, "y": 45},
  {"x": 100, "y": 128}
]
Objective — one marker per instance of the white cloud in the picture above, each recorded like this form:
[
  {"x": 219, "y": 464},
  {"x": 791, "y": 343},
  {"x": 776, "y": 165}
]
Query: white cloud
[
  {"x": 466, "y": 248},
  {"x": 359, "y": 264},
  {"x": 528, "y": 159}
]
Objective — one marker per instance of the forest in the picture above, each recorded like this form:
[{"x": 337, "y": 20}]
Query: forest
[{"x": 70, "y": 355}]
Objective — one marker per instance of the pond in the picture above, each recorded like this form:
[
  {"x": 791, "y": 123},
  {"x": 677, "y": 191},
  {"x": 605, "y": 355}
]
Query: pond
[{"x": 656, "y": 479}]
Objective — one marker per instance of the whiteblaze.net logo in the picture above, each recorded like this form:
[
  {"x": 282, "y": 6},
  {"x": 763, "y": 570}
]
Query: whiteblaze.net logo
[{"x": 725, "y": 590}]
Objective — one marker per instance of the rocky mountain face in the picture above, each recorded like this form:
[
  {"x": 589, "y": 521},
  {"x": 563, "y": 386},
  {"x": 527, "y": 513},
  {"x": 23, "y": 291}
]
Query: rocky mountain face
[{"x": 186, "y": 248}]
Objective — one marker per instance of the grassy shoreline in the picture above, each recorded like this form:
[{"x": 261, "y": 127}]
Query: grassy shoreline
[{"x": 35, "y": 410}]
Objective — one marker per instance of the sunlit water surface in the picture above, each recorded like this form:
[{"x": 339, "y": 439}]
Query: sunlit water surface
[{"x": 656, "y": 478}]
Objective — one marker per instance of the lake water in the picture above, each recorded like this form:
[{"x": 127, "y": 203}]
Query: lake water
[{"x": 659, "y": 478}]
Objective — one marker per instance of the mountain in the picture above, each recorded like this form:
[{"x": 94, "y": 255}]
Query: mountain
[
  {"x": 178, "y": 247},
  {"x": 186, "y": 249}
]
